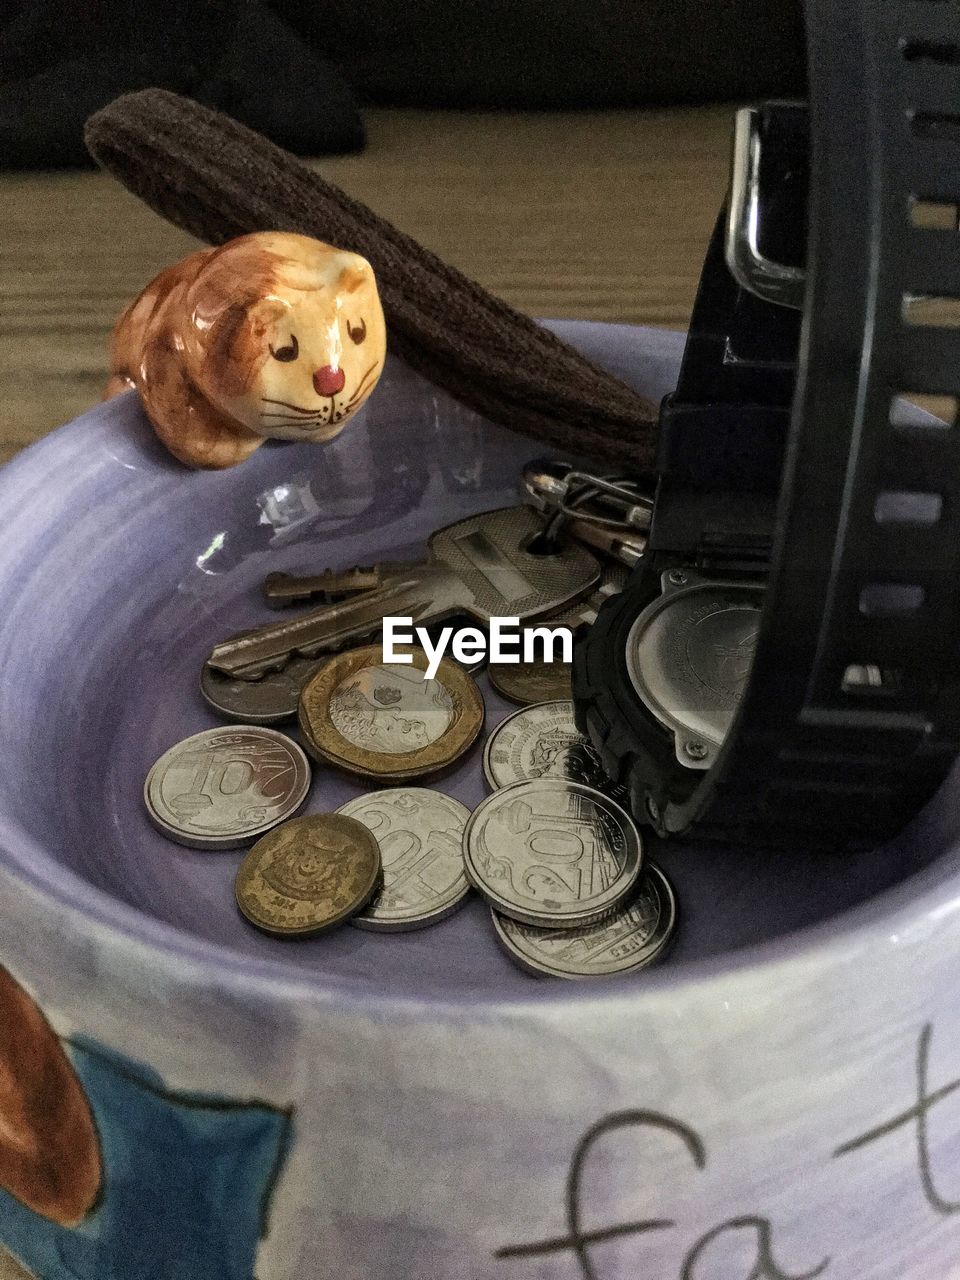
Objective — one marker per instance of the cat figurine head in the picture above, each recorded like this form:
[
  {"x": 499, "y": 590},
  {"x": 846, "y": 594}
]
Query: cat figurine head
[{"x": 271, "y": 335}]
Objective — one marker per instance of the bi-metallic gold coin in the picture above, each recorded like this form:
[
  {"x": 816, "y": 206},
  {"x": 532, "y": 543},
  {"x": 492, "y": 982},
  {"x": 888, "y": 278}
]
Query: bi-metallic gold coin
[
  {"x": 309, "y": 875},
  {"x": 386, "y": 720}
]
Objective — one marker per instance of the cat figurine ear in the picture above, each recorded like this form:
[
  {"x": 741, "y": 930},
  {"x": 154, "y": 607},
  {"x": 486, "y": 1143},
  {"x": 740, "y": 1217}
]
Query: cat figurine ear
[{"x": 271, "y": 335}]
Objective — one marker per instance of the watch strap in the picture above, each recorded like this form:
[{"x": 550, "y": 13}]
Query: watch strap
[{"x": 851, "y": 715}]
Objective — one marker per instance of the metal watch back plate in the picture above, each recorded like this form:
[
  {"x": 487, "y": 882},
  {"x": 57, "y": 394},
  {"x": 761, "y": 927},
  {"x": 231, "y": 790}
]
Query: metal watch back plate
[{"x": 689, "y": 655}]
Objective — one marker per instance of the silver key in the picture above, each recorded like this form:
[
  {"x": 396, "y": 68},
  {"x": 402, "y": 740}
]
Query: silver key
[
  {"x": 480, "y": 566},
  {"x": 584, "y": 612},
  {"x": 283, "y": 589}
]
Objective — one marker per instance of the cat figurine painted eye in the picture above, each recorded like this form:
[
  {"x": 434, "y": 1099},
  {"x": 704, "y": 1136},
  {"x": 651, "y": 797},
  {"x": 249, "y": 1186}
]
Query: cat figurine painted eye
[{"x": 270, "y": 336}]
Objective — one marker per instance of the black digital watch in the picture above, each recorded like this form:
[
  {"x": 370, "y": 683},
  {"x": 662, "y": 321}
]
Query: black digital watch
[{"x": 783, "y": 668}]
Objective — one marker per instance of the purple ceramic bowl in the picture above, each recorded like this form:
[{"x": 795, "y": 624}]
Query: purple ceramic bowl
[{"x": 412, "y": 1105}]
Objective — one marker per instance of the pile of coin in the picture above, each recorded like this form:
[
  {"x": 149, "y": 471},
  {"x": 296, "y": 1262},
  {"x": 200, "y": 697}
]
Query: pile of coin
[
  {"x": 552, "y": 849},
  {"x": 558, "y": 859}
]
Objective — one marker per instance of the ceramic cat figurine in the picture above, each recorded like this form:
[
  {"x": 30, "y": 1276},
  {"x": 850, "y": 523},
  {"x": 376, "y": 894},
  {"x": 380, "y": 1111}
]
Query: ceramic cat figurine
[{"x": 271, "y": 335}]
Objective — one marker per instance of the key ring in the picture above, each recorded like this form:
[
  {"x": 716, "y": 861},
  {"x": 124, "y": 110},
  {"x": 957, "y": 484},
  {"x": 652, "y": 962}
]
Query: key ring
[
  {"x": 616, "y": 491},
  {"x": 558, "y": 489}
]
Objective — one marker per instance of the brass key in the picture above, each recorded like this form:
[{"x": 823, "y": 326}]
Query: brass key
[{"x": 480, "y": 567}]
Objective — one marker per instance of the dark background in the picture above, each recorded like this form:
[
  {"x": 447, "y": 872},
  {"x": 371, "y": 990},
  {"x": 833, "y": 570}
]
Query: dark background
[
  {"x": 557, "y": 53},
  {"x": 298, "y": 70}
]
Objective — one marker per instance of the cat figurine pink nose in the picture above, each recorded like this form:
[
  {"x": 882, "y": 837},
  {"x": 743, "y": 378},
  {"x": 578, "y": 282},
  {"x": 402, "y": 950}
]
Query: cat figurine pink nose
[{"x": 328, "y": 381}]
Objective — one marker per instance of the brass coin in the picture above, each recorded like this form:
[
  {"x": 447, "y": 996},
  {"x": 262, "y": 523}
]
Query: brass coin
[
  {"x": 387, "y": 721},
  {"x": 309, "y": 875},
  {"x": 529, "y": 682}
]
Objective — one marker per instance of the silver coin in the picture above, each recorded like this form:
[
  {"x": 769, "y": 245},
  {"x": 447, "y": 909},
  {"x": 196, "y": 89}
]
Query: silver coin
[
  {"x": 226, "y": 787},
  {"x": 552, "y": 853},
  {"x": 637, "y": 934},
  {"x": 266, "y": 701},
  {"x": 541, "y": 741},
  {"x": 420, "y": 833}
]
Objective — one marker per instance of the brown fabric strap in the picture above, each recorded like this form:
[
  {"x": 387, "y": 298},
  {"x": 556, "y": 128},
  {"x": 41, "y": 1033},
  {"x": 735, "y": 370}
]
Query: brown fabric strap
[{"x": 217, "y": 179}]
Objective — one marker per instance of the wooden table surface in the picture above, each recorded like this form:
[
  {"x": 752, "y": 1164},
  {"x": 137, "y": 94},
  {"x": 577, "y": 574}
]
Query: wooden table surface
[{"x": 600, "y": 216}]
